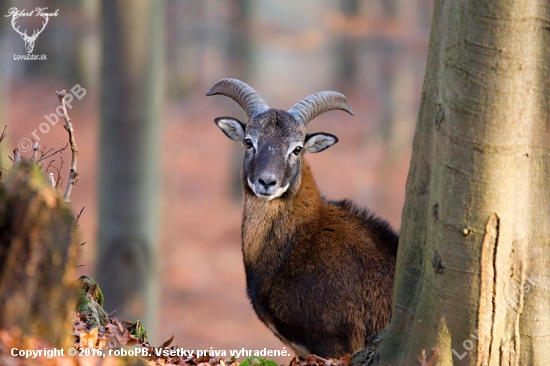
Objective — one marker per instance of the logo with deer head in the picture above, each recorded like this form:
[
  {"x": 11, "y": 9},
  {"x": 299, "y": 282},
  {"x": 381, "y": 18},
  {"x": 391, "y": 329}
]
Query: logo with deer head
[{"x": 15, "y": 14}]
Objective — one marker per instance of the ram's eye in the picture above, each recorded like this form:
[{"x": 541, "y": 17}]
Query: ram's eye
[
  {"x": 248, "y": 143},
  {"x": 297, "y": 150}
]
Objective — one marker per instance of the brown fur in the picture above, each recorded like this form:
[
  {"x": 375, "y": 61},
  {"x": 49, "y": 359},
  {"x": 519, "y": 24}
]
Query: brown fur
[{"x": 319, "y": 273}]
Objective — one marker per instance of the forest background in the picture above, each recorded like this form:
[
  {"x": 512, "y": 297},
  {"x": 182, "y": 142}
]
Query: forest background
[{"x": 372, "y": 51}]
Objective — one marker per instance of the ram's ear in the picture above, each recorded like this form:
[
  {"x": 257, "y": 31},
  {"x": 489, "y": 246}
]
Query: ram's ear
[
  {"x": 232, "y": 127},
  {"x": 316, "y": 142}
]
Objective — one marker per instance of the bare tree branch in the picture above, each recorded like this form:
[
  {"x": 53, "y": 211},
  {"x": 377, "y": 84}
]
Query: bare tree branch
[
  {"x": 51, "y": 180},
  {"x": 3, "y": 135},
  {"x": 50, "y": 165},
  {"x": 56, "y": 182},
  {"x": 78, "y": 217},
  {"x": 16, "y": 156},
  {"x": 43, "y": 152},
  {"x": 73, "y": 175},
  {"x": 59, "y": 180},
  {"x": 44, "y": 156},
  {"x": 35, "y": 148}
]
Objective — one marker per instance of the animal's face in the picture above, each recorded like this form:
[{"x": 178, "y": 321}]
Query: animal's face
[
  {"x": 275, "y": 140},
  {"x": 274, "y": 144}
]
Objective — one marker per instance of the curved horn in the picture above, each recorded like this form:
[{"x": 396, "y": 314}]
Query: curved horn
[
  {"x": 315, "y": 104},
  {"x": 242, "y": 93}
]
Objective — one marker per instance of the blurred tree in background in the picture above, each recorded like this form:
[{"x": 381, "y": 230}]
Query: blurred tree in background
[
  {"x": 374, "y": 51},
  {"x": 129, "y": 175},
  {"x": 347, "y": 48},
  {"x": 240, "y": 57}
]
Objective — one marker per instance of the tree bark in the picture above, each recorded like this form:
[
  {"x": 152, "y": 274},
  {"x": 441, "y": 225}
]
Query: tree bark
[
  {"x": 38, "y": 248},
  {"x": 473, "y": 268},
  {"x": 241, "y": 58},
  {"x": 347, "y": 48},
  {"x": 129, "y": 182}
]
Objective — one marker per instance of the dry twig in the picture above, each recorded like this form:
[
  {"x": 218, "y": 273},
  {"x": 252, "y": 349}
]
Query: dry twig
[
  {"x": 16, "y": 156},
  {"x": 73, "y": 175},
  {"x": 51, "y": 180},
  {"x": 35, "y": 148},
  {"x": 3, "y": 135},
  {"x": 43, "y": 155},
  {"x": 78, "y": 217},
  {"x": 43, "y": 151},
  {"x": 55, "y": 182},
  {"x": 59, "y": 180},
  {"x": 50, "y": 165}
]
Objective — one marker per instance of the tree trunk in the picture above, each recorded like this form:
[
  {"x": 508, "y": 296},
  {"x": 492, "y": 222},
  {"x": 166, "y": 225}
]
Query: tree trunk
[
  {"x": 37, "y": 258},
  {"x": 347, "y": 48},
  {"x": 129, "y": 181},
  {"x": 240, "y": 55},
  {"x": 473, "y": 262}
]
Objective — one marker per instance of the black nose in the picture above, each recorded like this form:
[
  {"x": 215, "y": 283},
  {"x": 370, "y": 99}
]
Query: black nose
[{"x": 267, "y": 182}]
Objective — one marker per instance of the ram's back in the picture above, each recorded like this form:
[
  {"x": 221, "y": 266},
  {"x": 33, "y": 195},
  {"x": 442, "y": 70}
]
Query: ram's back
[{"x": 335, "y": 288}]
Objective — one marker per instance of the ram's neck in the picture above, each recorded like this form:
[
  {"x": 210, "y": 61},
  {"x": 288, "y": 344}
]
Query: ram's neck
[{"x": 269, "y": 227}]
